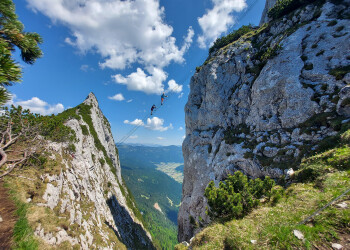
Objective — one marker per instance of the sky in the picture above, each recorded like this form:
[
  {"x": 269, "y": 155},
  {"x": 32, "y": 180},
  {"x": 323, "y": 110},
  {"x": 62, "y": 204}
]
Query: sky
[{"x": 127, "y": 53}]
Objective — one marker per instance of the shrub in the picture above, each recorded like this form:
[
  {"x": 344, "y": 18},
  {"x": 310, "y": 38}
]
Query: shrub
[
  {"x": 340, "y": 28},
  {"x": 304, "y": 58},
  {"x": 236, "y": 196},
  {"x": 225, "y": 40},
  {"x": 340, "y": 72},
  {"x": 320, "y": 53},
  {"x": 284, "y": 7},
  {"x": 308, "y": 66},
  {"x": 71, "y": 148},
  {"x": 84, "y": 130},
  {"x": 332, "y": 23},
  {"x": 102, "y": 161}
]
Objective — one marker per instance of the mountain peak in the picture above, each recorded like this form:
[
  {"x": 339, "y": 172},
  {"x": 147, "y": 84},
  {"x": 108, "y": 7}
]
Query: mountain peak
[{"x": 91, "y": 99}]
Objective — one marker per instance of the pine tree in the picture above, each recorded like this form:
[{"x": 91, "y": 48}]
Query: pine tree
[{"x": 12, "y": 35}]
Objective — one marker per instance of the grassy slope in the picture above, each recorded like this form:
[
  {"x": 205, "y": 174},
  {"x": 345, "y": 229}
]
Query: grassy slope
[{"x": 319, "y": 179}]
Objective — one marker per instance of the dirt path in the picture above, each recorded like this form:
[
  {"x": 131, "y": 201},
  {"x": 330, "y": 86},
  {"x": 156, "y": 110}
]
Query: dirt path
[{"x": 7, "y": 210}]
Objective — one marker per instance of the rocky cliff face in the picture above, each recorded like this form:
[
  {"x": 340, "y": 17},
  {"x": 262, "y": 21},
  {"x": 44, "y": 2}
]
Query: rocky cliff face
[
  {"x": 261, "y": 103},
  {"x": 80, "y": 200},
  {"x": 268, "y": 5}
]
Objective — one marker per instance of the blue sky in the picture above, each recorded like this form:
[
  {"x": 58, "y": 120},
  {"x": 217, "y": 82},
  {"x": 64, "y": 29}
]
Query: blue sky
[{"x": 127, "y": 53}]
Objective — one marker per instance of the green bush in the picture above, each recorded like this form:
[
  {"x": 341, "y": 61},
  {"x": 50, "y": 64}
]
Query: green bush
[
  {"x": 340, "y": 72},
  {"x": 236, "y": 196},
  {"x": 84, "y": 130},
  {"x": 102, "y": 161},
  {"x": 284, "y": 7},
  {"x": 225, "y": 40},
  {"x": 71, "y": 148}
]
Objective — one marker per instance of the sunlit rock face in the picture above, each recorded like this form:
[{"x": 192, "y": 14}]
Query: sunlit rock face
[
  {"x": 88, "y": 192},
  {"x": 260, "y": 116}
]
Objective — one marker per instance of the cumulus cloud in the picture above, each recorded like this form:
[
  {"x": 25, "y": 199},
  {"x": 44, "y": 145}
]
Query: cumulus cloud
[
  {"x": 117, "y": 97},
  {"x": 123, "y": 32},
  {"x": 141, "y": 81},
  {"x": 183, "y": 137},
  {"x": 36, "y": 105},
  {"x": 174, "y": 87},
  {"x": 218, "y": 20},
  {"x": 181, "y": 128},
  {"x": 181, "y": 95},
  {"x": 154, "y": 123},
  {"x": 136, "y": 122},
  {"x": 133, "y": 136},
  {"x": 160, "y": 138},
  {"x": 128, "y": 101}
]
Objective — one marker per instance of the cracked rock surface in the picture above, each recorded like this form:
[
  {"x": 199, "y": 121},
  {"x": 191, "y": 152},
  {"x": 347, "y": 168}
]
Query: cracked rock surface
[{"x": 261, "y": 116}]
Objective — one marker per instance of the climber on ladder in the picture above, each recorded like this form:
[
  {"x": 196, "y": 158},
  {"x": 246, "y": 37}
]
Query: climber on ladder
[
  {"x": 162, "y": 98},
  {"x": 153, "y": 108}
]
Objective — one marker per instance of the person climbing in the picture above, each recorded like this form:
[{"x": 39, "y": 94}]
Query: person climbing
[
  {"x": 152, "y": 108},
  {"x": 162, "y": 98}
]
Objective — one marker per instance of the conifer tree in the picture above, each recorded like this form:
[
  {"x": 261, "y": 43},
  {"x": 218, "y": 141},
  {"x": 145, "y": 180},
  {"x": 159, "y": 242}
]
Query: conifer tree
[{"x": 12, "y": 35}]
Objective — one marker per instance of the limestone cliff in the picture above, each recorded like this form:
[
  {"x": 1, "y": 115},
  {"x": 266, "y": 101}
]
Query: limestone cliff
[
  {"x": 261, "y": 103},
  {"x": 268, "y": 5},
  {"x": 76, "y": 197}
]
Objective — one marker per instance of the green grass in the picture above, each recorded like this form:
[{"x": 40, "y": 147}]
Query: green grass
[
  {"x": 22, "y": 233},
  {"x": 326, "y": 175}
]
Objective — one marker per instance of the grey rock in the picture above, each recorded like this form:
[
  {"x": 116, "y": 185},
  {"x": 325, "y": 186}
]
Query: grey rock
[
  {"x": 342, "y": 205},
  {"x": 268, "y": 5},
  {"x": 298, "y": 234},
  {"x": 270, "y": 152},
  {"x": 185, "y": 243},
  {"x": 337, "y": 246},
  {"x": 272, "y": 105},
  {"x": 343, "y": 106}
]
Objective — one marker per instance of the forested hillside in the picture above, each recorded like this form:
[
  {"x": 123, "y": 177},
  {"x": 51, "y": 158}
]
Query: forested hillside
[{"x": 150, "y": 186}]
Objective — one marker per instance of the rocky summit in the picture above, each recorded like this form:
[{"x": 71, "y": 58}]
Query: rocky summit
[{"x": 264, "y": 101}]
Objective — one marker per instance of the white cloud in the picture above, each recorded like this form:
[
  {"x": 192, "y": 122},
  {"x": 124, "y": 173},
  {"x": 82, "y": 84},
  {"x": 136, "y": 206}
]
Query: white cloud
[
  {"x": 133, "y": 136},
  {"x": 128, "y": 101},
  {"x": 117, "y": 97},
  {"x": 139, "y": 80},
  {"x": 38, "y": 106},
  {"x": 123, "y": 32},
  {"x": 183, "y": 137},
  {"x": 174, "y": 87},
  {"x": 154, "y": 123},
  {"x": 218, "y": 20},
  {"x": 86, "y": 68},
  {"x": 136, "y": 122},
  {"x": 181, "y": 128},
  {"x": 181, "y": 95},
  {"x": 160, "y": 138}
]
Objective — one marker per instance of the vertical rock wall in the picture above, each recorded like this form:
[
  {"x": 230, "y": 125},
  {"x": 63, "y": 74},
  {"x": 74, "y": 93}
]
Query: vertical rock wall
[{"x": 261, "y": 103}]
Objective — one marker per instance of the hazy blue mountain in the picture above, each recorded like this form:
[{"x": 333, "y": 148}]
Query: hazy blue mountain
[{"x": 154, "y": 176}]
